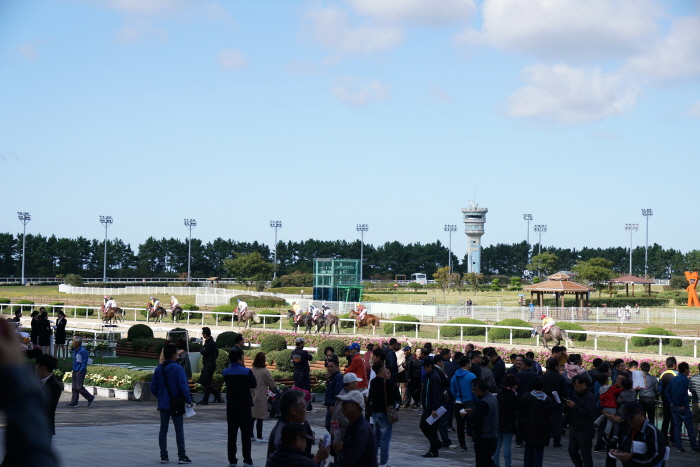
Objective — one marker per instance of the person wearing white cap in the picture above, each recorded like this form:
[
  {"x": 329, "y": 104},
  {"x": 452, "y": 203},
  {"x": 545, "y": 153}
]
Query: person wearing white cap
[
  {"x": 174, "y": 303},
  {"x": 357, "y": 446},
  {"x": 349, "y": 384}
]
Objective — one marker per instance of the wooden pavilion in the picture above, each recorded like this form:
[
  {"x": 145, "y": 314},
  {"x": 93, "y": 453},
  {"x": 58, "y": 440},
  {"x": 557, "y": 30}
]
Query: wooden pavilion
[
  {"x": 559, "y": 285},
  {"x": 627, "y": 280}
]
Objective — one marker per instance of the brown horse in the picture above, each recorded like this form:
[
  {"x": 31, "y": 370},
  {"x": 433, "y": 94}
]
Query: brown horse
[
  {"x": 158, "y": 314},
  {"x": 113, "y": 314},
  {"x": 246, "y": 317},
  {"x": 369, "y": 320}
]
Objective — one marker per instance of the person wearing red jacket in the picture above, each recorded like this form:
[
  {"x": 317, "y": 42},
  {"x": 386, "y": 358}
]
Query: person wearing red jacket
[
  {"x": 608, "y": 402},
  {"x": 356, "y": 364}
]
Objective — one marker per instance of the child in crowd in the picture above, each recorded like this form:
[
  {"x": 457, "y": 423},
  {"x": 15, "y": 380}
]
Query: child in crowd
[
  {"x": 573, "y": 366},
  {"x": 608, "y": 402}
]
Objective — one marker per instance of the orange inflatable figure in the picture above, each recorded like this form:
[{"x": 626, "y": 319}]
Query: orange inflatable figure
[{"x": 692, "y": 294}]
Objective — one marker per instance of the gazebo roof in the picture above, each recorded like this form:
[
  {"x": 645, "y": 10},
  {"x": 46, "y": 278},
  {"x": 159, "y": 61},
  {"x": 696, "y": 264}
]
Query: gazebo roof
[
  {"x": 631, "y": 280},
  {"x": 560, "y": 276},
  {"x": 559, "y": 285}
]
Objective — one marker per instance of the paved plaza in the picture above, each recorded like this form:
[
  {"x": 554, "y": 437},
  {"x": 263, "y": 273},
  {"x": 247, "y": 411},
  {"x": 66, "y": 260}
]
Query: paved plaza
[{"x": 119, "y": 433}]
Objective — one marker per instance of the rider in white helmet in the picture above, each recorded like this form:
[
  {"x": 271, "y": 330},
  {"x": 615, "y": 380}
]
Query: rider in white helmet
[
  {"x": 242, "y": 307},
  {"x": 174, "y": 303},
  {"x": 111, "y": 303},
  {"x": 314, "y": 311},
  {"x": 326, "y": 309},
  {"x": 155, "y": 303},
  {"x": 105, "y": 300},
  {"x": 296, "y": 308}
]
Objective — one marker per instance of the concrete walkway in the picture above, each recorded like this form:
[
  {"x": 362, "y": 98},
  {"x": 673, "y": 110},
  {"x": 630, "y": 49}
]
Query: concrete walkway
[{"x": 118, "y": 433}]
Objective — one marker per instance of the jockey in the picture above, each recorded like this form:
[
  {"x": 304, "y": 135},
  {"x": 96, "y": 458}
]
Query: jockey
[
  {"x": 105, "y": 301},
  {"x": 314, "y": 311},
  {"x": 174, "y": 303},
  {"x": 325, "y": 309},
  {"x": 111, "y": 303},
  {"x": 242, "y": 307},
  {"x": 296, "y": 308},
  {"x": 154, "y": 303},
  {"x": 363, "y": 311},
  {"x": 547, "y": 323}
]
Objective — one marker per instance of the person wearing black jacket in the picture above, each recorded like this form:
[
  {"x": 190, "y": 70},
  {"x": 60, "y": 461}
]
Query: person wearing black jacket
[
  {"x": 44, "y": 329},
  {"x": 383, "y": 393},
  {"x": 431, "y": 399},
  {"x": 239, "y": 402},
  {"x": 209, "y": 352},
  {"x": 413, "y": 377},
  {"x": 391, "y": 363},
  {"x": 555, "y": 382},
  {"x": 292, "y": 407},
  {"x": 51, "y": 387},
  {"x": 507, "y": 409},
  {"x": 291, "y": 452},
  {"x": 498, "y": 367},
  {"x": 34, "y": 334},
  {"x": 582, "y": 430},
  {"x": 654, "y": 448},
  {"x": 300, "y": 360},
  {"x": 60, "y": 335}
]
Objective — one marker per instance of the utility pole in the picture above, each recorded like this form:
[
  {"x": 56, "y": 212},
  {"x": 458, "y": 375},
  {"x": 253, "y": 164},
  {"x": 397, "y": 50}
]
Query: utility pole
[
  {"x": 451, "y": 229},
  {"x": 190, "y": 224},
  {"x": 631, "y": 228},
  {"x": 276, "y": 225},
  {"x": 362, "y": 228},
  {"x": 24, "y": 218},
  {"x": 106, "y": 221},
  {"x": 646, "y": 213},
  {"x": 540, "y": 229}
]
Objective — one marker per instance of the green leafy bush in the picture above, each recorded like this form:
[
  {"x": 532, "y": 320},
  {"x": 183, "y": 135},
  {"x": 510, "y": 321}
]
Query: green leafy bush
[
  {"x": 259, "y": 302},
  {"x": 283, "y": 360},
  {"x": 195, "y": 377},
  {"x": 143, "y": 343},
  {"x": 389, "y": 327},
  {"x": 452, "y": 331},
  {"x": 5, "y": 300},
  {"x": 497, "y": 333},
  {"x": 345, "y": 324},
  {"x": 639, "y": 341},
  {"x": 225, "y": 309},
  {"x": 191, "y": 308},
  {"x": 225, "y": 339},
  {"x": 337, "y": 344},
  {"x": 269, "y": 319},
  {"x": 54, "y": 307},
  {"x": 25, "y": 309},
  {"x": 82, "y": 310},
  {"x": 273, "y": 343},
  {"x": 575, "y": 327},
  {"x": 73, "y": 279},
  {"x": 140, "y": 331}
]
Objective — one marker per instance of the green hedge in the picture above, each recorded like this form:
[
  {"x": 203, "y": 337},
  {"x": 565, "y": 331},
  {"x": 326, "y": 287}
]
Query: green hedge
[
  {"x": 273, "y": 343},
  {"x": 389, "y": 327},
  {"x": 498, "y": 333},
  {"x": 614, "y": 302},
  {"x": 345, "y": 324},
  {"x": 259, "y": 302},
  {"x": 5, "y": 301},
  {"x": 283, "y": 360},
  {"x": 54, "y": 307},
  {"x": 225, "y": 339},
  {"x": 337, "y": 344},
  {"x": 647, "y": 341},
  {"x": 27, "y": 309},
  {"x": 575, "y": 327},
  {"x": 143, "y": 343},
  {"x": 450, "y": 331},
  {"x": 83, "y": 308},
  {"x": 225, "y": 309},
  {"x": 140, "y": 331}
]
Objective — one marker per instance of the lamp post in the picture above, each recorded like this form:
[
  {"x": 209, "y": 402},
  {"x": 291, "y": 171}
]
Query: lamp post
[
  {"x": 450, "y": 229},
  {"x": 190, "y": 224},
  {"x": 646, "y": 213},
  {"x": 106, "y": 221},
  {"x": 276, "y": 225},
  {"x": 540, "y": 229},
  {"x": 631, "y": 228},
  {"x": 362, "y": 228},
  {"x": 24, "y": 218}
]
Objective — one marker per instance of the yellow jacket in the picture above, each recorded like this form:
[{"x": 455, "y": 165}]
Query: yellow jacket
[{"x": 547, "y": 320}]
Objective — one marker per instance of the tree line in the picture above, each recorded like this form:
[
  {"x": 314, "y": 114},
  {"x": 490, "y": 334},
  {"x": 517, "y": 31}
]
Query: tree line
[{"x": 52, "y": 256}]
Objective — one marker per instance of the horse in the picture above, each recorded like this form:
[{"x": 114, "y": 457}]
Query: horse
[
  {"x": 246, "y": 317},
  {"x": 177, "y": 313},
  {"x": 369, "y": 320},
  {"x": 330, "y": 321},
  {"x": 158, "y": 314},
  {"x": 304, "y": 320},
  {"x": 113, "y": 314},
  {"x": 555, "y": 334}
]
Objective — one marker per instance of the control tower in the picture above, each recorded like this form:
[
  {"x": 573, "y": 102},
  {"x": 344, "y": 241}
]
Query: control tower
[{"x": 474, "y": 219}]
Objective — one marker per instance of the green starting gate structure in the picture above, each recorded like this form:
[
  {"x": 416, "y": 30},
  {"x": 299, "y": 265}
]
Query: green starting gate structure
[{"x": 337, "y": 279}]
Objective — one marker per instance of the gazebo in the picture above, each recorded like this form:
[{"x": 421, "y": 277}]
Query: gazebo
[
  {"x": 559, "y": 285},
  {"x": 627, "y": 280}
]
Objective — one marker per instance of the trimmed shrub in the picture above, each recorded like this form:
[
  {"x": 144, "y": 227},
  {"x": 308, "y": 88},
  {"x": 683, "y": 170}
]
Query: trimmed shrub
[
  {"x": 74, "y": 280},
  {"x": 498, "y": 333},
  {"x": 26, "y": 309},
  {"x": 389, "y": 327},
  {"x": 345, "y": 324},
  {"x": 273, "y": 343},
  {"x": 225, "y": 339},
  {"x": 139, "y": 331},
  {"x": 575, "y": 327},
  {"x": 5, "y": 300},
  {"x": 225, "y": 309},
  {"x": 84, "y": 309},
  {"x": 449, "y": 331},
  {"x": 54, "y": 307},
  {"x": 283, "y": 360},
  {"x": 647, "y": 341},
  {"x": 268, "y": 319},
  {"x": 191, "y": 308},
  {"x": 259, "y": 302},
  {"x": 337, "y": 344}
]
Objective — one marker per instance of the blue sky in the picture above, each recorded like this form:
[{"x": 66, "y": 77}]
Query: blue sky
[{"x": 323, "y": 115}]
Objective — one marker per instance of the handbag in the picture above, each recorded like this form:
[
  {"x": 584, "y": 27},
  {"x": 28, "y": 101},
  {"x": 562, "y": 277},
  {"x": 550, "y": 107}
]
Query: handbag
[
  {"x": 177, "y": 404},
  {"x": 391, "y": 414}
]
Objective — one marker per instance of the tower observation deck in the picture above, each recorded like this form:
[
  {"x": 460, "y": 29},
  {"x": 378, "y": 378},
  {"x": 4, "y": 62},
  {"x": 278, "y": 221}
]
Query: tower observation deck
[{"x": 474, "y": 220}]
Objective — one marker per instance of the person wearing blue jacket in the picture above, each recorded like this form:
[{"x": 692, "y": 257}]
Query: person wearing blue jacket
[
  {"x": 677, "y": 394},
  {"x": 80, "y": 363},
  {"x": 177, "y": 384},
  {"x": 461, "y": 388},
  {"x": 335, "y": 385}
]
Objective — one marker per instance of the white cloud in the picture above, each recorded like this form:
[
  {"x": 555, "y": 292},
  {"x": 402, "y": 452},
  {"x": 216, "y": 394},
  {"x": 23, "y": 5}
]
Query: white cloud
[
  {"x": 695, "y": 110},
  {"x": 232, "y": 59},
  {"x": 566, "y": 29},
  {"x": 331, "y": 28},
  {"x": 422, "y": 12},
  {"x": 566, "y": 94},
  {"x": 675, "y": 57},
  {"x": 352, "y": 93},
  {"x": 438, "y": 94},
  {"x": 136, "y": 29},
  {"x": 146, "y": 7},
  {"x": 29, "y": 51}
]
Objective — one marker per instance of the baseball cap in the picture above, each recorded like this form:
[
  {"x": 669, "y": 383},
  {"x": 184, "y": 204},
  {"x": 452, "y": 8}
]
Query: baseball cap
[
  {"x": 350, "y": 377},
  {"x": 295, "y": 429},
  {"x": 353, "y": 396},
  {"x": 354, "y": 345},
  {"x": 407, "y": 348},
  {"x": 299, "y": 339},
  {"x": 630, "y": 409}
]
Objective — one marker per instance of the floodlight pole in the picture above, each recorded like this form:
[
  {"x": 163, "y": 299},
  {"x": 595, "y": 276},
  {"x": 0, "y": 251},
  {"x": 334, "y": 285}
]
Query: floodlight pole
[
  {"x": 276, "y": 225},
  {"x": 540, "y": 229},
  {"x": 631, "y": 228},
  {"x": 646, "y": 213},
  {"x": 24, "y": 218},
  {"x": 106, "y": 221},
  {"x": 362, "y": 228},
  {"x": 528, "y": 219},
  {"x": 451, "y": 229},
  {"x": 190, "y": 224}
]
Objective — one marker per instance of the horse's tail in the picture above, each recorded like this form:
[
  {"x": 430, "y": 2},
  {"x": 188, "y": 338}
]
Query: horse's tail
[
  {"x": 565, "y": 336},
  {"x": 256, "y": 319}
]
